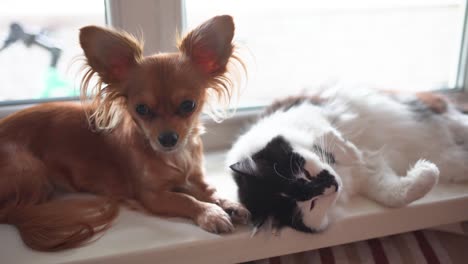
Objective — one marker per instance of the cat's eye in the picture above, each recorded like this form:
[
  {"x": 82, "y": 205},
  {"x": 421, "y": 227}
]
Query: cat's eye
[
  {"x": 187, "y": 107},
  {"x": 324, "y": 156},
  {"x": 298, "y": 159},
  {"x": 142, "y": 109}
]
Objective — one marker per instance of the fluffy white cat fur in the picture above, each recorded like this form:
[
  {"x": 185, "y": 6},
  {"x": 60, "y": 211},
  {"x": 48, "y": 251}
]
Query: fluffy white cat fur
[{"x": 390, "y": 148}]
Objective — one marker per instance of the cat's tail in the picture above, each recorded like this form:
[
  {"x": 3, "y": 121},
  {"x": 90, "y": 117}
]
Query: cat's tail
[
  {"x": 60, "y": 224},
  {"x": 390, "y": 189}
]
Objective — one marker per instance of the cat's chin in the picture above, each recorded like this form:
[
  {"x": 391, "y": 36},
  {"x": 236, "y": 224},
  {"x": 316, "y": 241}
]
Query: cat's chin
[
  {"x": 323, "y": 225},
  {"x": 315, "y": 212}
]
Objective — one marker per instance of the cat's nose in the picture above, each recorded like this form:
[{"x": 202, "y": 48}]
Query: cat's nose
[{"x": 168, "y": 139}]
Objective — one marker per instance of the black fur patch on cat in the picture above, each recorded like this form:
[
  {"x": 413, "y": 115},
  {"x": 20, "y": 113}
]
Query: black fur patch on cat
[{"x": 269, "y": 186}]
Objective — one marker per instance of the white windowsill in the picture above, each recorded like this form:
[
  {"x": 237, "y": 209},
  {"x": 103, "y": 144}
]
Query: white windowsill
[{"x": 138, "y": 238}]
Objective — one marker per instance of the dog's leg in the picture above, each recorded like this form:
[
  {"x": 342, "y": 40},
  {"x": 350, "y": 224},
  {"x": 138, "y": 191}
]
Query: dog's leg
[
  {"x": 44, "y": 222},
  {"x": 207, "y": 193},
  {"x": 208, "y": 216},
  {"x": 23, "y": 181}
]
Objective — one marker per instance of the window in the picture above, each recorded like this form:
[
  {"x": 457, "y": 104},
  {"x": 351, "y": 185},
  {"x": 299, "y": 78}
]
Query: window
[
  {"x": 293, "y": 45},
  {"x": 409, "y": 45},
  {"x": 38, "y": 45}
]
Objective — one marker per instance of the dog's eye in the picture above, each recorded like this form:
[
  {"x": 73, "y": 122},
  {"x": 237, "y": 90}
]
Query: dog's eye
[
  {"x": 187, "y": 106},
  {"x": 142, "y": 109}
]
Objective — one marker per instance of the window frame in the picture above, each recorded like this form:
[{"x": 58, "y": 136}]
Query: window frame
[
  {"x": 461, "y": 79},
  {"x": 157, "y": 18}
]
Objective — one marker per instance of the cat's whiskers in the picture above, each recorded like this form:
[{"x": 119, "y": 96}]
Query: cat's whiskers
[
  {"x": 279, "y": 174},
  {"x": 295, "y": 216},
  {"x": 291, "y": 165},
  {"x": 328, "y": 147},
  {"x": 320, "y": 145}
]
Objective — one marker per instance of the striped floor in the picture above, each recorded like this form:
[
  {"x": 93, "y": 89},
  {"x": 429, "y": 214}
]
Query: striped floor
[{"x": 419, "y": 247}]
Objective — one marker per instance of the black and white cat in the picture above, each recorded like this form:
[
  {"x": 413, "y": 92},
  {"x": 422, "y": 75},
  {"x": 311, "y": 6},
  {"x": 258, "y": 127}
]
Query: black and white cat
[{"x": 305, "y": 153}]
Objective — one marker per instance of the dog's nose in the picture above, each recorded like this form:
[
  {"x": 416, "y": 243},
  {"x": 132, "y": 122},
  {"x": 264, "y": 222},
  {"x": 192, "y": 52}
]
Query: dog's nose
[{"x": 168, "y": 139}]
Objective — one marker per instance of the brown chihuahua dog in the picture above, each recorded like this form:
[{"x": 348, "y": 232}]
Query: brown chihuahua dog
[{"x": 137, "y": 139}]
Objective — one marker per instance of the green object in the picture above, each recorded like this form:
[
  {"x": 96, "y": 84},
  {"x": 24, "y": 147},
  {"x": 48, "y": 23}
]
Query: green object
[{"x": 56, "y": 86}]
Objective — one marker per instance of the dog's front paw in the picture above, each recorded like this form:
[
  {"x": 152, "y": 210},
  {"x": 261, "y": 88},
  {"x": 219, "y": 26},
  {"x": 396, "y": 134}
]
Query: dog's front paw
[
  {"x": 214, "y": 219},
  {"x": 237, "y": 211}
]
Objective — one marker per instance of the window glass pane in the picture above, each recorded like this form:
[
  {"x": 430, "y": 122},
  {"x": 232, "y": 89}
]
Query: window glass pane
[
  {"x": 296, "y": 44},
  {"x": 39, "y": 44}
]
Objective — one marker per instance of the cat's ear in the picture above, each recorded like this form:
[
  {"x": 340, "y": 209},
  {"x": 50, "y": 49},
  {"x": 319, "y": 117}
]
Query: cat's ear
[{"x": 245, "y": 167}]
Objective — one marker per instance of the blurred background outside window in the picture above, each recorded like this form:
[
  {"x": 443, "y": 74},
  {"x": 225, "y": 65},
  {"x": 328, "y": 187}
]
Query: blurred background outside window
[
  {"x": 410, "y": 45},
  {"x": 39, "y": 44},
  {"x": 293, "y": 45}
]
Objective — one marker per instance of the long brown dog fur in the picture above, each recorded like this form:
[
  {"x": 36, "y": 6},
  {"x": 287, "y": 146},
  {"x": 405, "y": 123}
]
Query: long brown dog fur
[{"x": 107, "y": 148}]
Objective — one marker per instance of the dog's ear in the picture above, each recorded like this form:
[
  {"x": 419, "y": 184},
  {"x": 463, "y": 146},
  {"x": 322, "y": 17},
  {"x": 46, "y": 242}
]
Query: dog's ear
[
  {"x": 209, "y": 46},
  {"x": 110, "y": 53}
]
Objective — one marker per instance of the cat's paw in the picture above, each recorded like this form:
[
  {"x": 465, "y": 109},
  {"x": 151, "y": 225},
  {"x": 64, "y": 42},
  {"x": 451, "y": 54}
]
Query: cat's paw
[
  {"x": 423, "y": 176},
  {"x": 237, "y": 211},
  {"x": 214, "y": 219},
  {"x": 345, "y": 152}
]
